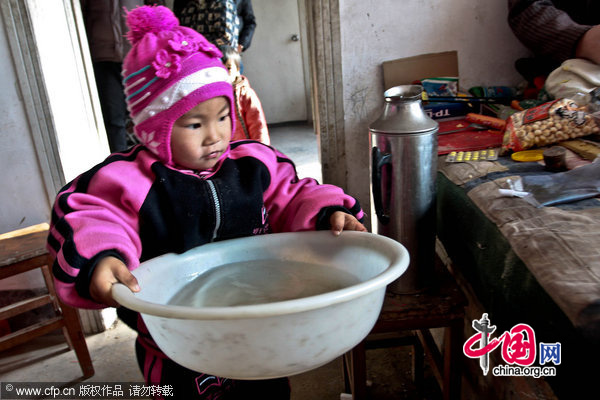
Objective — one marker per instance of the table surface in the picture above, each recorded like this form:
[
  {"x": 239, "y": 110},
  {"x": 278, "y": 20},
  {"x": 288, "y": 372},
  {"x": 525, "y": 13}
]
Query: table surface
[{"x": 557, "y": 244}]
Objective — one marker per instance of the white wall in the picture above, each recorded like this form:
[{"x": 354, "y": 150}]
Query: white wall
[
  {"x": 23, "y": 199},
  {"x": 374, "y": 31}
]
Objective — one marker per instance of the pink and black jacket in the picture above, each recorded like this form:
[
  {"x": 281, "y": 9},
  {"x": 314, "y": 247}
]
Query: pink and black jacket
[{"x": 134, "y": 207}]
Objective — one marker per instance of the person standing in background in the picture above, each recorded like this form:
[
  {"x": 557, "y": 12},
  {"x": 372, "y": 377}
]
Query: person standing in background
[
  {"x": 557, "y": 30},
  {"x": 106, "y": 28},
  {"x": 245, "y": 13},
  {"x": 250, "y": 121},
  {"x": 247, "y": 24}
]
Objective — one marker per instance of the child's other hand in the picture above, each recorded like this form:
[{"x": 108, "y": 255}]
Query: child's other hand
[
  {"x": 108, "y": 271},
  {"x": 340, "y": 220}
]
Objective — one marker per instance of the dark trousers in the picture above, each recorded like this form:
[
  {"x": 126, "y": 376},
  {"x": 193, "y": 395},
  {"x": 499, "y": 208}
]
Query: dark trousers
[
  {"x": 112, "y": 101},
  {"x": 188, "y": 384}
]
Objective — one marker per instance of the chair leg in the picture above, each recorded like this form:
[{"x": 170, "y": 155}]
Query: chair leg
[
  {"x": 418, "y": 364},
  {"x": 358, "y": 366},
  {"x": 346, "y": 372},
  {"x": 453, "y": 360},
  {"x": 72, "y": 324},
  {"x": 76, "y": 338}
]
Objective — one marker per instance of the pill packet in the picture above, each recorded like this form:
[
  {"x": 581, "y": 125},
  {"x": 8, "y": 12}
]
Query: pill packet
[{"x": 475, "y": 155}]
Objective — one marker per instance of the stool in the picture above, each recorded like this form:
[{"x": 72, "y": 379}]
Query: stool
[
  {"x": 24, "y": 250},
  {"x": 440, "y": 305}
]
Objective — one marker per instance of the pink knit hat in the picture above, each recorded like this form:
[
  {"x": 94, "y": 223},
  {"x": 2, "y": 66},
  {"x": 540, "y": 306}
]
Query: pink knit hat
[{"x": 169, "y": 70}]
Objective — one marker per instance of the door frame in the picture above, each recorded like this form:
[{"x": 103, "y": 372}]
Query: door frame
[{"x": 325, "y": 59}]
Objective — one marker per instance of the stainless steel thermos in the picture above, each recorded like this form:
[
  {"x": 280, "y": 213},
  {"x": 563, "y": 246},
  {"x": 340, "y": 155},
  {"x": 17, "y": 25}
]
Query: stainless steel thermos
[{"x": 403, "y": 184}]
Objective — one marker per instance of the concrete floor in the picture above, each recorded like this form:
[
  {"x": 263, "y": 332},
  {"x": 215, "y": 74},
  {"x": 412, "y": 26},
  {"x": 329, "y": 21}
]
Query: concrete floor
[
  {"x": 299, "y": 142},
  {"x": 48, "y": 359}
]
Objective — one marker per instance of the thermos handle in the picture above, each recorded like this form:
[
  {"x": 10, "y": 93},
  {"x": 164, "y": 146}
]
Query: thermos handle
[{"x": 379, "y": 161}]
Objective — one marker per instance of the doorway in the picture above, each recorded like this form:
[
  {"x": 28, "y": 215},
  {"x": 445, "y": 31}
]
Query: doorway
[{"x": 276, "y": 63}]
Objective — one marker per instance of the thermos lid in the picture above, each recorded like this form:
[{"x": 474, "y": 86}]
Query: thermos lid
[
  {"x": 403, "y": 92},
  {"x": 403, "y": 113}
]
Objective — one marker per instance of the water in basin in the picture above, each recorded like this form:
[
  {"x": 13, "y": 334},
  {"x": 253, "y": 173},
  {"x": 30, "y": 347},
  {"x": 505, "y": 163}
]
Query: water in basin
[{"x": 259, "y": 282}]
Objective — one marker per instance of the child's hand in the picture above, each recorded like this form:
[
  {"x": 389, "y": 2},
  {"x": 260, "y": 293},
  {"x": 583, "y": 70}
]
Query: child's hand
[
  {"x": 108, "y": 271},
  {"x": 340, "y": 220}
]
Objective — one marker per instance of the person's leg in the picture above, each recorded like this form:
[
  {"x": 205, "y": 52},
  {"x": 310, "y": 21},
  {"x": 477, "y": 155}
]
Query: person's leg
[{"x": 112, "y": 101}]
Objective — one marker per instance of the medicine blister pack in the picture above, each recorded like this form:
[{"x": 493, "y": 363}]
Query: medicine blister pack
[{"x": 476, "y": 155}]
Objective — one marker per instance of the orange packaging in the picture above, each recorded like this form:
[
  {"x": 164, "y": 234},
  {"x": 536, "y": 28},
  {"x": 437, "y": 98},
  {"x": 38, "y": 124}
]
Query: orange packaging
[{"x": 486, "y": 120}]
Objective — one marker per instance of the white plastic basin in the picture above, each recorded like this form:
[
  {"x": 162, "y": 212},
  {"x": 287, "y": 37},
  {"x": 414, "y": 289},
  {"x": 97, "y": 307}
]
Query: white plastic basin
[{"x": 274, "y": 339}]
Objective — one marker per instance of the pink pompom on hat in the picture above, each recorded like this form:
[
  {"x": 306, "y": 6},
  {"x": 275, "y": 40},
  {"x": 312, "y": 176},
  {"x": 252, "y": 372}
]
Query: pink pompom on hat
[{"x": 168, "y": 71}]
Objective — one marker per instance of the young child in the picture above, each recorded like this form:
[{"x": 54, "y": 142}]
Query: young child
[
  {"x": 184, "y": 186},
  {"x": 250, "y": 122}
]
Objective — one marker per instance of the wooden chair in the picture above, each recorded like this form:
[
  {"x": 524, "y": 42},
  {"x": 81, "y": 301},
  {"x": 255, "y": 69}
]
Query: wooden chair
[
  {"x": 441, "y": 305},
  {"x": 24, "y": 250}
]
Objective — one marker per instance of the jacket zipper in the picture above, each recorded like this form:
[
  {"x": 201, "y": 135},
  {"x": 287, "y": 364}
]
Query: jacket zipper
[{"x": 213, "y": 191}]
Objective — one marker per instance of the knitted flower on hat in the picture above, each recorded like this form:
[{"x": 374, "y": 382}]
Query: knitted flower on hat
[{"x": 168, "y": 71}]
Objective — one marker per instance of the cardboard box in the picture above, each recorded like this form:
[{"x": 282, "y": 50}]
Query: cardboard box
[{"x": 405, "y": 71}]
